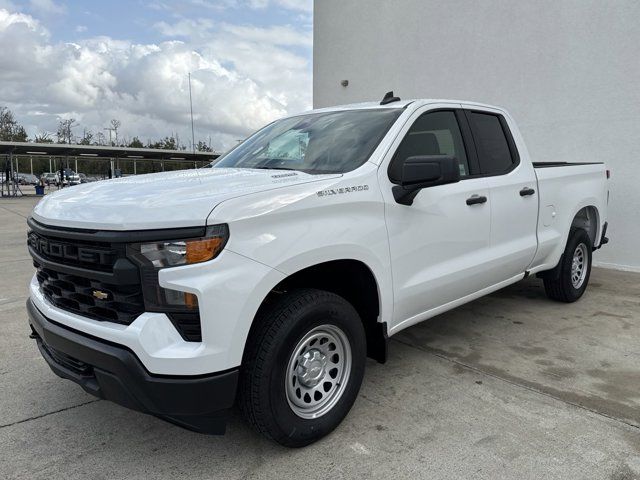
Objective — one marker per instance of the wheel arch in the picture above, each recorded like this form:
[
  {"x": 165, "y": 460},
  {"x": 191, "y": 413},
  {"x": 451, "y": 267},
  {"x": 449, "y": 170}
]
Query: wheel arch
[
  {"x": 587, "y": 218},
  {"x": 352, "y": 280}
]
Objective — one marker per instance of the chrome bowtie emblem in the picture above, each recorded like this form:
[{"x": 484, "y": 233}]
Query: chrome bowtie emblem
[{"x": 100, "y": 295}]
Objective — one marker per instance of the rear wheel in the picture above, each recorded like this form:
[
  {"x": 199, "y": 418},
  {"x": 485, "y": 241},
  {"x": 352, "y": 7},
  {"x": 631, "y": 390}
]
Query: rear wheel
[
  {"x": 569, "y": 280},
  {"x": 303, "y": 366}
]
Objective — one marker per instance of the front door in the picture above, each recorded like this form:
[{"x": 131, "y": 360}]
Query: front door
[{"x": 438, "y": 245}]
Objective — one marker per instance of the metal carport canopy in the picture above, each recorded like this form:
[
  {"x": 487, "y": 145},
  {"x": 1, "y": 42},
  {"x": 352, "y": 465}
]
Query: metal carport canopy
[{"x": 72, "y": 150}]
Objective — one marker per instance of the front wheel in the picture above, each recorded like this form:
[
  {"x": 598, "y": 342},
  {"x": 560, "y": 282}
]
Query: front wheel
[
  {"x": 569, "y": 280},
  {"x": 302, "y": 367}
]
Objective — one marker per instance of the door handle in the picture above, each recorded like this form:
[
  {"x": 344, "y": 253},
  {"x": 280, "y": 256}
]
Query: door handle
[
  {"x": 476, "y": 199},
  {"x": 526, "y": 191}
]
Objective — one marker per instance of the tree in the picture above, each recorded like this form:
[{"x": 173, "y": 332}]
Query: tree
[
  {"x": 100, "y": 138},
  {"x": 203, "y": 147},
  {"x": 115, "y": 125},
  {"x": 167, "y": 143},
  {"x": 87, "y": 138},
  {"x": 44, "y": 137},
  {"x": 10, "y": 129},
  {"x": 64, "y": 133},
  {"x": 135, "y": 143}
]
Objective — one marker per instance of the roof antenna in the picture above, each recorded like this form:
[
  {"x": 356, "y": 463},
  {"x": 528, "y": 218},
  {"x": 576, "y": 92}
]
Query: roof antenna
[{"x": 389, "y": 98}]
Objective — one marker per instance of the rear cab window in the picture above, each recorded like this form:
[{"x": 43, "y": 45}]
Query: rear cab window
[{"x": 495, "y": 147}]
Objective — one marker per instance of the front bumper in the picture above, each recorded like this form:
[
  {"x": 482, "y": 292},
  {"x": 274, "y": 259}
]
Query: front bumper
[{"x": 113, "y": 372}]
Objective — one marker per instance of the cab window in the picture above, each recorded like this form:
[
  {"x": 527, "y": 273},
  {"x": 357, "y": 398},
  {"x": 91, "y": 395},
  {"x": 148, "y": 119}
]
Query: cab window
[{"x": 434, "y": 133}]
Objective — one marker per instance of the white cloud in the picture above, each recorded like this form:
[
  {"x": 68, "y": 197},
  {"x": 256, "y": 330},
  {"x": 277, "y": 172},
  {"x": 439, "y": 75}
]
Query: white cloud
[
  {"x": 81, "y": 28},
  {"x": 242, "y": 78}
]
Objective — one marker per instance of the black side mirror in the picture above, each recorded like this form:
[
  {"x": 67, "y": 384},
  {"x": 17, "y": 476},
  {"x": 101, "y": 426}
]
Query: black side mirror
[{"x": 425, "y": 171}]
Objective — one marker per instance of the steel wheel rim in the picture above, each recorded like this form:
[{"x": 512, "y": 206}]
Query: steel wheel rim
[
  {"x": 318, "y": 371},
  {"x": 579, "y": 266}
]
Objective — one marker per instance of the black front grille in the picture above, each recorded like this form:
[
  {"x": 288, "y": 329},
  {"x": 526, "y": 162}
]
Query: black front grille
[
  {"x": 91, "y": 298},
  {"x": 92, "y": 279}
]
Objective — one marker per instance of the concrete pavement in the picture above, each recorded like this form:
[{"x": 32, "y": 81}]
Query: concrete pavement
[{"x": 509, "y": 386}]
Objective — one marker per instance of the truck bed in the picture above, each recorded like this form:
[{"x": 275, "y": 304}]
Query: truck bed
[{"x": 562, "y": 192}]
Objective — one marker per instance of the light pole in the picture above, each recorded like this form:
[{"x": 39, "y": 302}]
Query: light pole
[{"x": 193, "y": 138}]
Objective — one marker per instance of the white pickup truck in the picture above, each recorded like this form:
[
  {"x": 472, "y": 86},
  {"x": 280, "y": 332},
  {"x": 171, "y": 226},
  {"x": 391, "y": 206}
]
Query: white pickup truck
[{"x": 268, "y": 279}]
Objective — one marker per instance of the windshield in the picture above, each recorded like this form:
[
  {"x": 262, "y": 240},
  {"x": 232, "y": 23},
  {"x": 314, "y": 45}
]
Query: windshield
[{"x": 334, "y": 142}]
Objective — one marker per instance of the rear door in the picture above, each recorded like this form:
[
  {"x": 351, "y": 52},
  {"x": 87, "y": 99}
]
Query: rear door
[{"x": 510, "y": 177}]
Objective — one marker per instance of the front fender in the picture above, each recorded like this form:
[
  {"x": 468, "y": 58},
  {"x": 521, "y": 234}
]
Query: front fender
[{"x": 302, "y": 226}]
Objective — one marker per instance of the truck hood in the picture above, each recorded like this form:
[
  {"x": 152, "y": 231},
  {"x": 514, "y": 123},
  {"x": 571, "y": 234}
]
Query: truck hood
[{"x": 159, "y": 200}]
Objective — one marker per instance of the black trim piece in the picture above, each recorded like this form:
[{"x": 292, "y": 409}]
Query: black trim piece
[
  {"x": 378, "y": 342},
  {"x": 114, "y": 373},
  {"x": 116, "y": 236},
  {"x": 187, "y": 324},
  {"x": 563, "y": 164},
  {"x": 404, "y": 196},
  {"x": 515, "y": 154},
  {"x": 469, "y": 145},
  {"x": 603, "y": 238}
]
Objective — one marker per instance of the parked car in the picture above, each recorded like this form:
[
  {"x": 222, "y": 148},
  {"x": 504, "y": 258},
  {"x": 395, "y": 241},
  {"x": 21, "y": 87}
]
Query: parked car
[
  {"x": 51, "y": 178},
  {"x": 83, "y": 178},
  {"x": 269, "y": 278},
  {"x": 71, "y": 177},
  {"x": 26, "y": 179}
]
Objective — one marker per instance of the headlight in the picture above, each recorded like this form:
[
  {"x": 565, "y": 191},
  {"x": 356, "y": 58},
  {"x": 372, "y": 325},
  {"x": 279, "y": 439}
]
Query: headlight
[
  {"x": 172, "y": 253},
  {"x": 151, "y": 257}
]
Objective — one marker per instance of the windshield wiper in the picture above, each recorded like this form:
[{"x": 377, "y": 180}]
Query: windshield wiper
[{"x": 262, "y": 167}]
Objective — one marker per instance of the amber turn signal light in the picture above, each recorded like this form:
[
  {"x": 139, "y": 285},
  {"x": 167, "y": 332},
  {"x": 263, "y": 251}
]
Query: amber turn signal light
[{"x": 204, "y": 249}]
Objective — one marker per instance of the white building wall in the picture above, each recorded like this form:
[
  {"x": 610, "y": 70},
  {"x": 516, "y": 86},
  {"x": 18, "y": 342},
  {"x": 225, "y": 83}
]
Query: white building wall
[{"x": 567, "y": 70}]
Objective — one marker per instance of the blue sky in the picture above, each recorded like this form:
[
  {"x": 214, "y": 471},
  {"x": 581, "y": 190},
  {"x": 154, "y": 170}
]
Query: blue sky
[
  {"x": 96, "y": 60},
  {"x": 136, "y": 19}
]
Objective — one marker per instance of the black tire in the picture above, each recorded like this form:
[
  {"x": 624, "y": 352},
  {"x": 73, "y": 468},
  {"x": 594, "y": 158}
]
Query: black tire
[
  {"x": 558, "y": 284},
  {"x": 279, "y": 328}
]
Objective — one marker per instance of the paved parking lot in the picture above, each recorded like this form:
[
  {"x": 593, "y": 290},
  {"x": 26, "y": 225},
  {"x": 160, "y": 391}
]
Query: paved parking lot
[{"x": 509, "y": 386}]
